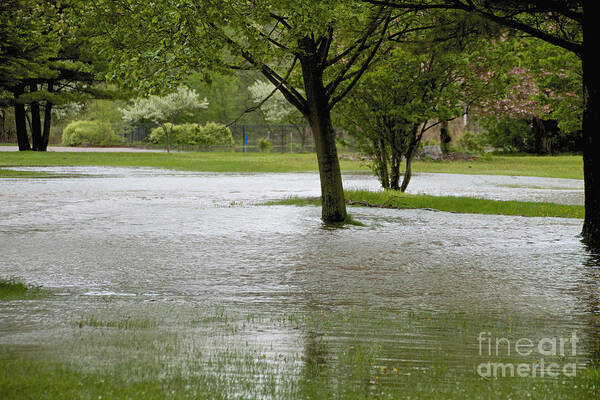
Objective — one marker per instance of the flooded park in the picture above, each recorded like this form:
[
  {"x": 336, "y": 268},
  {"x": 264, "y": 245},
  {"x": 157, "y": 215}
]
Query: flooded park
[
  {"x": 299, "y": 200},
  {"x": 156, "y": 274}
]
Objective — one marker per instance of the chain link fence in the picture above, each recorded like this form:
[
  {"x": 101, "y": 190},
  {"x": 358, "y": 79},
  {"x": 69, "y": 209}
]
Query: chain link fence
[{"x": 282, "y": 138}]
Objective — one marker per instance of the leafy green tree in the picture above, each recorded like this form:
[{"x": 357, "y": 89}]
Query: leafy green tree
[
  {"x": 312, "y": 52},
  {"x": 164, "y": 109},
  {"x": 409, "y": 92}
]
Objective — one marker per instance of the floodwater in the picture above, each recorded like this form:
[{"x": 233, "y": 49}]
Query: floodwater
[{"x": 116, "y": 241}]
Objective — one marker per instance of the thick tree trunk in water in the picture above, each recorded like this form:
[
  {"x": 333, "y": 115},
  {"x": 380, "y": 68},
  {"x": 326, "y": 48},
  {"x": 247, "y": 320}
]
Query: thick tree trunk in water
[
  {"x": 591, "y": 141},
  {"x": 319, "y": 117},
  {"x": 20, "y": 122},
  {"x": 36, "y": 123}
]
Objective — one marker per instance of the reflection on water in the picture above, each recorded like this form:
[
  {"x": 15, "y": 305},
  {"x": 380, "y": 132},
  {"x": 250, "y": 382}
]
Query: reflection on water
[{"x": 165, "y": 245}]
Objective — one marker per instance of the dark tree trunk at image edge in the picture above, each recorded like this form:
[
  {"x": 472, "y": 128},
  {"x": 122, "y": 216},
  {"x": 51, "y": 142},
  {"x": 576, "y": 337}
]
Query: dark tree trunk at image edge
[
  {"x": 20, "y": 122},
  {"x": 591, "y": 142},
  {"x": 319, "y": 117}
]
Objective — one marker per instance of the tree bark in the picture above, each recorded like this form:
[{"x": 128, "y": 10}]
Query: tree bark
[
  {"x": 20, "y": 122},
  {"x": 319, "y": 117},
  {"x": 445, "y": 138},
  {"x": 2, "y": 124},
  {"x": 415, "y": 139},
  {"x": 591, "y": 141},
  {"x": 47, "y": 120},
  {"x": 381, "y": 158},
  {"x": 36, "y": 125},
  {"x": 407, "y": 172},
  {"x": 167, "y": 137},
  {"x": 395, "y": 170}
]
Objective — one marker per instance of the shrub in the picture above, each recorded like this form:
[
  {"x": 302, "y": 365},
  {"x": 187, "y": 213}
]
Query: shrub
[
  {"x": 95, "y": 133},
  {"x": 471, "y": 142},
  {"x": 509, "y": 135},
  {"x": 211, "y": 134},
  {"x": 264, "y": 145}
]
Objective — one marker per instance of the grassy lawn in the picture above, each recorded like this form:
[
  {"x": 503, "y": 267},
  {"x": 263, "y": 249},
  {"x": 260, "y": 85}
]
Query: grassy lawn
[
  {"x": 556, "y": 166},
  {"x": 391, "y": 199}
]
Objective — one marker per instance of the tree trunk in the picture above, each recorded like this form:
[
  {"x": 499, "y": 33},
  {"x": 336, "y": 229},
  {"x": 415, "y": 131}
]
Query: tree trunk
[
  {"x": 2, "y": 124},
  {"x": 407, "y": 171},
  {"x": 395, "y": 170},
  {"x": 410, "y": 155},
  {"x": 20, "y": 122},
  {"x": 319, "y": 117},
  {"x": 167, "y": 138},
  {"x": 381, "y": 163},
  {"x": 445, "y": 138},
  {"x": 591, "y": 141},
  {"x": 47, "y": 120},
  {"x": 36, "y": 124}
]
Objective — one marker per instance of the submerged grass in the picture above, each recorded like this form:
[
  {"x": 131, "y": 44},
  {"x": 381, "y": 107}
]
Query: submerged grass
[
  {"x": 542, "y": 166},
  {"x": 352, "y": 353},
  {"x": 123, "y": 323},
  {"x": 13, "y": 289},
  {"x": 9, "y": 173},
  {"x": 394, "y": 199}
]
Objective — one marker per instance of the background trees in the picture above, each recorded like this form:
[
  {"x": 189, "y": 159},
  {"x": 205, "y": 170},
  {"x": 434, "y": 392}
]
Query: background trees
[
  {"x": 561, "y": 23},
  {"x": 45, "y": 61}
]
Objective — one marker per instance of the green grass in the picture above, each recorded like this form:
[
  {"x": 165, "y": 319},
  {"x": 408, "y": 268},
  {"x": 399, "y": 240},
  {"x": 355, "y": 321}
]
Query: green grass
[
  {"x": 13, "y": 289},
  {"x": 556, "y": 166},
  {"x": 567, "y": 166},
  {"x": 392, "y": 199}
]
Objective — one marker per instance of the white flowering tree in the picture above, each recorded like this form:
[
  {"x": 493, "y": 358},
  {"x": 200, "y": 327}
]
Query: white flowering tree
[
  {"x": 276, "y": 109},
  {"x": 164, "y": 109},
  {"x": 272, "y": 102}
]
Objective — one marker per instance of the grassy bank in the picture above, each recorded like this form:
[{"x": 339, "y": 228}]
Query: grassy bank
[
  {"x": 391, "y": 199},
  {"x": 558, "y": 166}
]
